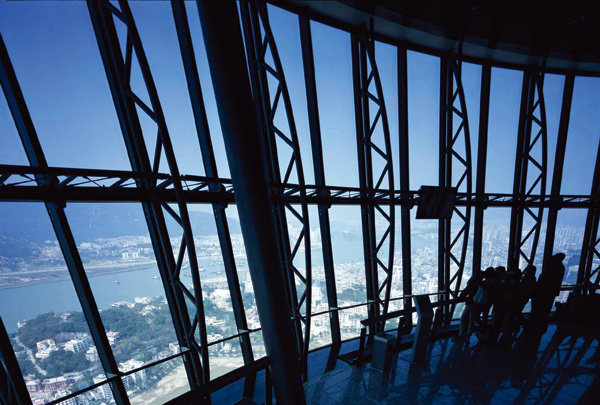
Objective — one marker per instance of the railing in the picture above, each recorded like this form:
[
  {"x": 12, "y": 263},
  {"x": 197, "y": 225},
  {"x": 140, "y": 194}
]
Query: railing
[
  {"x": 202, "y": 394},
  {"x": 256, "y": 366}
]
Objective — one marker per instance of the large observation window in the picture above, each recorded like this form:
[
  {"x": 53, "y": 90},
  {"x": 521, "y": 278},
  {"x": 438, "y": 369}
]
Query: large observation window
[
  {"x": 39, "y": 306},
  {"x": 132, "y": 256}
]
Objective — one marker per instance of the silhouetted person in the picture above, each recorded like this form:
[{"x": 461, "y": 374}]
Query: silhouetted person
[
  {"x": 548, "y": 287},
  {"x": 545, "y": 291},
  {"x": 472, "y": 309},
  {"x": 509, "y": 309},
  {"x": 492, "y": 287},
  {"x": 496, "y": 289},
  {"x": 525, "y": 289}
]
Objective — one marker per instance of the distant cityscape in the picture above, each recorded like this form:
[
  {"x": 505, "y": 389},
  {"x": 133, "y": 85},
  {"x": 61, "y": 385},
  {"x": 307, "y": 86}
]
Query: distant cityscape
[{"x": 134, "y": 346}]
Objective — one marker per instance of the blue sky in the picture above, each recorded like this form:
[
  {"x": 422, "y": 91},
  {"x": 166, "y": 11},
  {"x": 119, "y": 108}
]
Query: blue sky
[{"x": 56, "y": 58}]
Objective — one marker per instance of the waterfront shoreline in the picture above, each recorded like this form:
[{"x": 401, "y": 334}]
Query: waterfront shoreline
[{"x": 90, "y": 271}]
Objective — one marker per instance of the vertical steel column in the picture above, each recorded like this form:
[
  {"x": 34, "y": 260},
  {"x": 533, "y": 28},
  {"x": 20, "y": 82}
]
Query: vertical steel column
[
  {"x": 404, "y": 175},
  {"x": 559, "y": 160},
  {"x": 13, "y": 389},
  {"x": 452, "y": 254},
  {"x": 532, "y": 112},
  {"x": 261, "y": 42},
  {"x": 319, "y": 169},
  {"x": 163, "y": 144},
  {"x": 35, "y": 155},
  {"x": 484, "y": 113},
  {"x": 224, "y": 48},
  {"x": 515, "y": 217},
  {"x": 210, "y": 168},
  {"x": 357, "y": 70},
  {"x": 442, "y": 146},
  {"x": 368, "y": 89},
  {"x": 116, "y": 72},
  {"x": 591, "y": 242}
]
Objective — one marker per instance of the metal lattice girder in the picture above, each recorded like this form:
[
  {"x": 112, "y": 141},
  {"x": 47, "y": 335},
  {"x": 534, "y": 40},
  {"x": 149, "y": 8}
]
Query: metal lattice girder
[
  {"x": 589, "y": 265},
  {"x": 210, "y": 167},
  {"x": 375, "y": 174},
  {"x": 530, "y": 170},
  {"x": 589, "y": 271},
  {"x": 559, "y": 160},
  {"x": 455, "y": 171},
  {"x": 118, "y": 68},
  {"x": 18, "y": 183},
  {"x": 275, "y": 113}
]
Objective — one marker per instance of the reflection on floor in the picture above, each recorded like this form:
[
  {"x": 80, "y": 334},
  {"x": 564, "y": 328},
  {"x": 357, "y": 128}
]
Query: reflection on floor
[{"x": 564, "y": 370}]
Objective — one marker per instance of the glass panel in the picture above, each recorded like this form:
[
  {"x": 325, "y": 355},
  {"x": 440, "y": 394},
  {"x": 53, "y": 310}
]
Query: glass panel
[
  {"x": 496, "y": 235},
  {"x": 553, "y": 92},
  {"x": 387, "y": 64},
  {"x": 99, "y": 395},
  {"x": 11, "y": 148},
  {"x": 258, "y": 345},
  {"x": 157, "y": 384},
  {"x": 528, "y": 224},
  {"x": 398, "y": 270},
  {"x": 505, "y": 100},
  {"x": 424, "y": 254},
  {"x": 320, "y": 332},
  {"x": 350, "y": 321},
  {"x": 69, "y": 99},
  {"x": 348, "y": 255},
  {"x": 286, "y": 32},
  {"x": 570, "y": 227},
  {"x": 218, "y": 307},
  {"x": 39, "y": 307},
  {"x": 157, "y": 31},
  {"x": 469, "y": 255},
  {"x": 582, "y": 141},
  {"x": 335, "y": 93},
  {"x": 423, "y": 113},
  {"x": 119, "y": 260},
  {"x": 224, "y": 357},
  {"x": 471, "y": 81}
]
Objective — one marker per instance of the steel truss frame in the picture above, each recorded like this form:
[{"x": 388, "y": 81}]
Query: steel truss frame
[
  {"x": 376, "y": 217},
  {"x": 484, "y": 113},
  {"x": 210, "y": 168},
  {"x": 589, "y": 265},
  {"x": 402, "y": 59},
  {"x": 18, "y": 183},
  {"x": 530, "y": 173},
  {"x": 451, "y": 253},
  {"x": 155, "y": 190},
  {"x": 118, "y": 69},
  {"x": 264, "y": 71}
]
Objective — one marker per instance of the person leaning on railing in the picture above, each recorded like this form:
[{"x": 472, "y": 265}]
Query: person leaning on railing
[{"x": 473, "y": 305}]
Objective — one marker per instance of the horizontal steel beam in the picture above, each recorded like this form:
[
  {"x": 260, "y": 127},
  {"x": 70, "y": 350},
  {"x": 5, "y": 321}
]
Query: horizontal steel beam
[{"x": 18, "y": 183}]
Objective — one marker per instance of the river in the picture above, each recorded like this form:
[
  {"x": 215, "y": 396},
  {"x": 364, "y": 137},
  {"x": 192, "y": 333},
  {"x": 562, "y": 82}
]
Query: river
[{"x": 22, "y": 303}]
